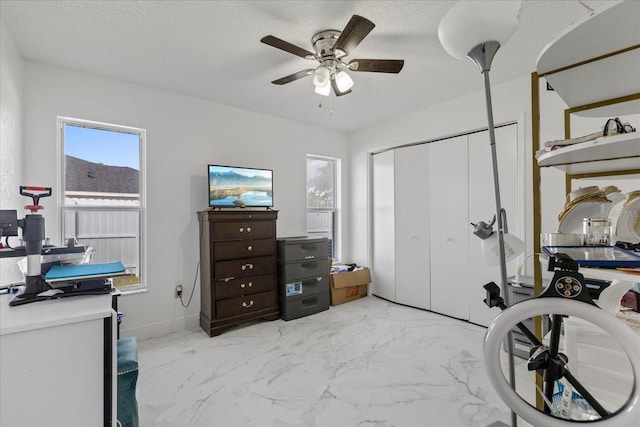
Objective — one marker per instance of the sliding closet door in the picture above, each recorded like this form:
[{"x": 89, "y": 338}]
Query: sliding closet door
[
  {"x": 482, "y": 208},
  {"x": 450, "y": 229},
  {"x": 412, "y": 226},
  {"x": 384, "y": 252}
]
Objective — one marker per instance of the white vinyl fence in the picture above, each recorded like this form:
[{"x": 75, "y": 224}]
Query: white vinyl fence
[{"x": 113, "y": 233}]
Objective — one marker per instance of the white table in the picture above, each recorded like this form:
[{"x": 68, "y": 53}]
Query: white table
[{"x": 58, "y": 362}]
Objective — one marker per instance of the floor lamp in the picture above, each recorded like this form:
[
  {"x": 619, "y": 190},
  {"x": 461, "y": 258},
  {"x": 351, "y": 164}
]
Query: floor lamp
[{"x": 476, "y": 30}]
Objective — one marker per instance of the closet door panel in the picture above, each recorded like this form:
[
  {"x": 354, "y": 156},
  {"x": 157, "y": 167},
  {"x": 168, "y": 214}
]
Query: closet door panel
[
  {"x": 384, "y": 255},
  {"x": 482, "y": 208},
  {"x": 449, "y": 226},
  {"x": 412, "y": 226}
]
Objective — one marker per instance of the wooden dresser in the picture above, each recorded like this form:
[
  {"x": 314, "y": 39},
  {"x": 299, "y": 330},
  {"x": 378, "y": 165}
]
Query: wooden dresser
[{"x": 238, "y": 280}]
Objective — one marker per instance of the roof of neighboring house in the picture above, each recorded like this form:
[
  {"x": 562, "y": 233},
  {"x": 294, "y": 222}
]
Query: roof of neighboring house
[{"x": 82, "y": 175}]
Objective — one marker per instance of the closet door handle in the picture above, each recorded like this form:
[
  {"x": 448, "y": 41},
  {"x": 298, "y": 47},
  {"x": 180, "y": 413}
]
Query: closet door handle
[
  {"x": 245, "y": 305},
  {"x": 249, "y": 266}
]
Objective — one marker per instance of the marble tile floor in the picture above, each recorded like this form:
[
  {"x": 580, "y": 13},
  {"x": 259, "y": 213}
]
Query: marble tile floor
[{"x": 365, "y": 363}]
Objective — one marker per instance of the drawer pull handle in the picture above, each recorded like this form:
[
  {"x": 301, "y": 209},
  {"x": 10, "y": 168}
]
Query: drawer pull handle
[
  {"x": 319, "y": 279},
  {"x": 249, "y": 266},
  {"x": 245, "y": 305},
  {"x": 249, "y": 248},
  {"x": 310, "y": 257},
  {"x": 250, "y": 284},
  {"x": 248, "y": 229},
  {"x": 241, "y": 229}
]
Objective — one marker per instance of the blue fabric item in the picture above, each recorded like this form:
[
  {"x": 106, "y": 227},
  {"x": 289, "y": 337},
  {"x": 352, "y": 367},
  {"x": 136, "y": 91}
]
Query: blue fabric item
[
  {"x": 127, "y": 380},
  {"x": 84, "y": 270}
]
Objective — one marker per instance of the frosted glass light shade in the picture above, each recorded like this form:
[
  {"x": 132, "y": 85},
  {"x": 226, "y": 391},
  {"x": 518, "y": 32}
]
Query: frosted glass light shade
[
  {"x": 321, "y": 77},
  {"x": 490, "y": 248},
  {"x": 469, "y": 23},
  {"x": 343, "y": 81},
  {"x": 323, "y": 90}
]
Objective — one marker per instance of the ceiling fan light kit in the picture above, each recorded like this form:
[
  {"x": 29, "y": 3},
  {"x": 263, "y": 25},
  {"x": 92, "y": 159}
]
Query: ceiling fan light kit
[
  {"x": 323, "y": 90},
  {"x": 343, "y": 81},
  {"x": 330, "y": 47},
  {"x": 321, "y": 77}
]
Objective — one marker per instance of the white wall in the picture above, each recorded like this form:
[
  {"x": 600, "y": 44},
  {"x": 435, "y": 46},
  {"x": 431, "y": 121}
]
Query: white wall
[
  {"x": 184, "y": 134},
  {"x": 10, "y": 138},
  {"x": 511, "y": 102}
]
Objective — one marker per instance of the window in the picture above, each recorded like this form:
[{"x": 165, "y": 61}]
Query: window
[
  {"x": 103, "y": 201},
  {"x": 322, "y": 205}
]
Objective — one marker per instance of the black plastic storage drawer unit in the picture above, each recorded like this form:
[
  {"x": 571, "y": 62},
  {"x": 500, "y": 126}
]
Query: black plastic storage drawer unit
[{"x": 303, "y": 276}]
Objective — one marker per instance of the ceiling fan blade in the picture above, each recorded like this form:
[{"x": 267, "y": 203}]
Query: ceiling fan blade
[
  {"x": 377, "y": 65},
  {"x": 293, "y": 77},
  {"x": 286, "y": 46},
  {"x": 356, "y": 30},
  {"x": 334, "y": 86}
]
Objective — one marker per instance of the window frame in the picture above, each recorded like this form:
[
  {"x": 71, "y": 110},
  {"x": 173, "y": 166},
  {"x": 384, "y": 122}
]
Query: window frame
[
  {"x": 142, "y": 208},
  {"x": 336, "y": 210}
]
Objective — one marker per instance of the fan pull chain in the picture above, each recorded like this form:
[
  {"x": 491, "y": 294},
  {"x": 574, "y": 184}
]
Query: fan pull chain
[{"x": 330, "y": 104}]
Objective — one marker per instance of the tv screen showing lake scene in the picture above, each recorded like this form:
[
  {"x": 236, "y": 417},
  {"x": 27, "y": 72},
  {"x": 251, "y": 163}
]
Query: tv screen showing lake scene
[{"x": 231, "y": 186}]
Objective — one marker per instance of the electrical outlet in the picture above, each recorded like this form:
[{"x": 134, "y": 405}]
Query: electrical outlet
[{"x": 178, "y": 290}]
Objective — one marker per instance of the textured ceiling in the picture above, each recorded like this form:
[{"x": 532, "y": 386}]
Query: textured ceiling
[{"x": 211, "y": 50}]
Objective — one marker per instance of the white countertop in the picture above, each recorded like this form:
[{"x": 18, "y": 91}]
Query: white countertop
[{"x": 56, "y": 312}]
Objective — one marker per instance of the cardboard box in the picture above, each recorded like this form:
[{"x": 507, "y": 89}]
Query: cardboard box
[{"x": 349, "y": 286}]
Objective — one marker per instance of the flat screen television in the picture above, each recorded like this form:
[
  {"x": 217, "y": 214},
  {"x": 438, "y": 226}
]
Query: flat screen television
[{"x": 231, "y": 186}]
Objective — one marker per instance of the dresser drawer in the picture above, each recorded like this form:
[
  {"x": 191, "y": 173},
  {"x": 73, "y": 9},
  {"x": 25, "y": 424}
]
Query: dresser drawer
[
  {"x": 244, "y": 267},
  {"x": 244, "y": 248},
  {"x": 242, "y": 230},
  {"x": 302, "y": 249},
  {"x": 303, "y": 269},
  {"x": 244, "y": 286},
  {"x": 246, "y": 304}
]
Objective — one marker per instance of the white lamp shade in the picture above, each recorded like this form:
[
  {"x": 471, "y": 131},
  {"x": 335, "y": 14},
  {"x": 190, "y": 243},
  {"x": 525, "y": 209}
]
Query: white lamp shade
[
  {"x": 321, "y": 77},
  {"x": 490, "y": 248},
  {"x": 323, "y": 90},
  {"x": 469, "y": 23},
  {"x": 343, "y": 81}
]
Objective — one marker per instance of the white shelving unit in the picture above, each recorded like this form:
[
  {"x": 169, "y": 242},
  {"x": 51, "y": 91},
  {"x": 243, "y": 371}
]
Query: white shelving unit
[
  {"x": 588, "y": 51},
  {"x": 594, "y": 66},
  {"x": 607, "y": 154}
]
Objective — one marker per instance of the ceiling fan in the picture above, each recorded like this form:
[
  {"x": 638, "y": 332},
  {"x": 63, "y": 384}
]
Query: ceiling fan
[{"x": 331, "y": 47}]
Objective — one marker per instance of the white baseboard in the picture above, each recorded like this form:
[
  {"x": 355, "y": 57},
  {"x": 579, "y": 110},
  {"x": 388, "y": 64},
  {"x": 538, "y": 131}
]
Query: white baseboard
[{"x": 161, "y": 329}]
